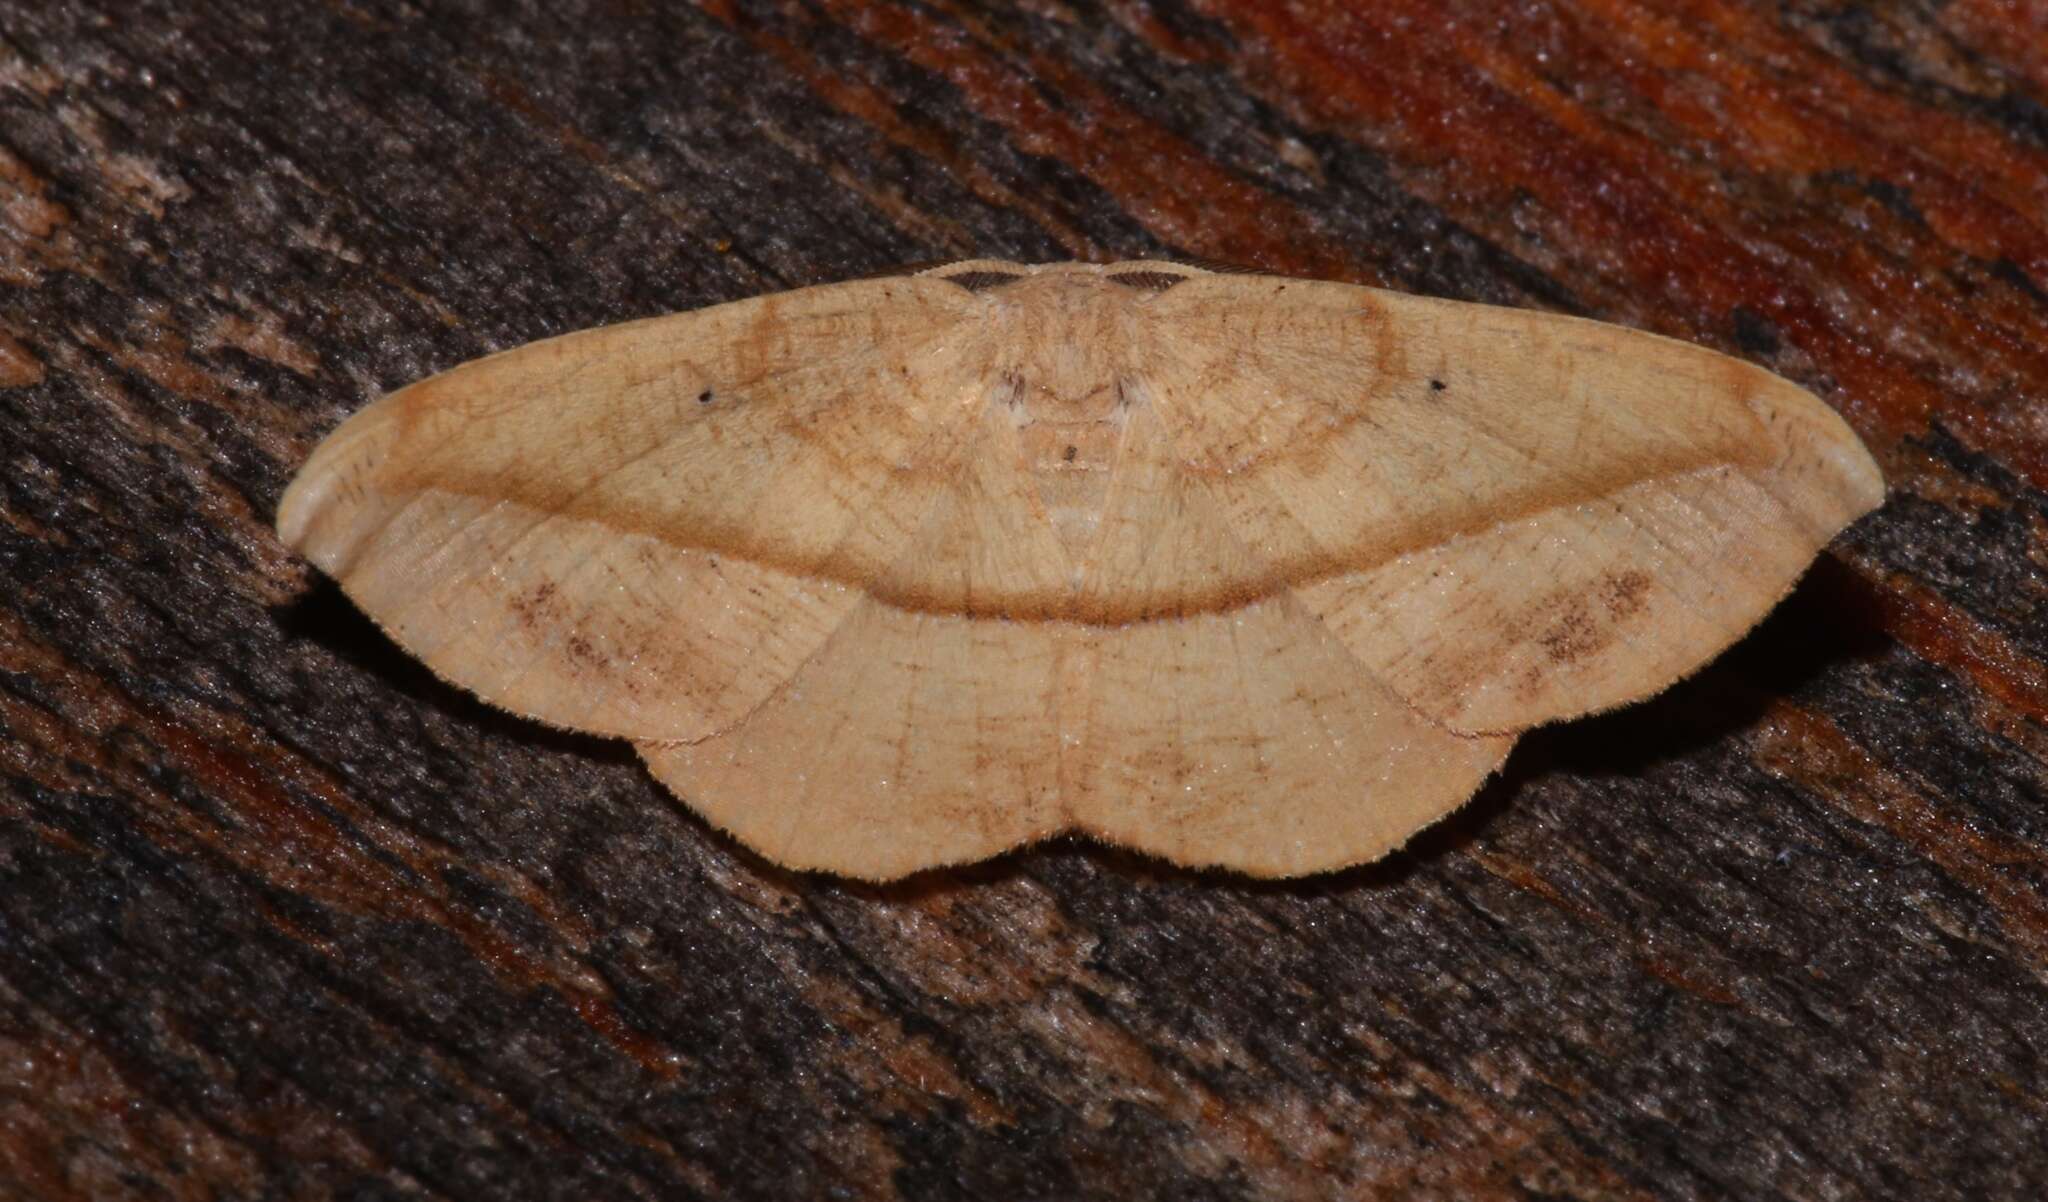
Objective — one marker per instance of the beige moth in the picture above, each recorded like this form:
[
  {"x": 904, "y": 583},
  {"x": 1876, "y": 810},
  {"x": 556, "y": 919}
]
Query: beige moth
[{"x": 1239, "y": 570}]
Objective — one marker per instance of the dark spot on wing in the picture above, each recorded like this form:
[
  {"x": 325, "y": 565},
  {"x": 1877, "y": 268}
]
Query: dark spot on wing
[
  {"x": 1626, "y": 593},
  {"x": 584, "y": 653},
  {"x": 535, "y": 607},
  {"x": 1575, "y": 634},
  {"x": 1579, "y": 632}
]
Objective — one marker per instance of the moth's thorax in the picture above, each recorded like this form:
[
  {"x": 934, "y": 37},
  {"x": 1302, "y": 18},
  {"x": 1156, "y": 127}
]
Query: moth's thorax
[
  {"x": 1070, "y": 336},
  {"x": 1067, "y": 390}
]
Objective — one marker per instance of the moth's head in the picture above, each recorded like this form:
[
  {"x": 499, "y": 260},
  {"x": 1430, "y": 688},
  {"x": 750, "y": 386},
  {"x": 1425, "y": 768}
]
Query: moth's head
[{"x": 1071, "y": 326}]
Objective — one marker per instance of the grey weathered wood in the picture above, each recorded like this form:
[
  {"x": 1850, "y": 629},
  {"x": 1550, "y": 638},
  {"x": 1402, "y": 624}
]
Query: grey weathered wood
[{"x": 283, "y": 916}]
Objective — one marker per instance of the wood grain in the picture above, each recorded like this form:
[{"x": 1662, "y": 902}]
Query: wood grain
[{"x": 281, "y": 916}]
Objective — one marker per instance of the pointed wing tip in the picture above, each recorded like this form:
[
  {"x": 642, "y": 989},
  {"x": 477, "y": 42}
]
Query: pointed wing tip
[
  {"x": 1867, "y": 489},
  {"x": 296, "y": 509},
  {"x": 317, "y": 495},
  {"x": 1859, "y": 482},
  {"x": 1856, "y": 481}
]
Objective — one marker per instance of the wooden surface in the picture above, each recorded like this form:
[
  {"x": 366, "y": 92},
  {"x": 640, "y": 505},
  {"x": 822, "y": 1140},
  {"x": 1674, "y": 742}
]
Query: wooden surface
[{"x": 281, "y": 916}]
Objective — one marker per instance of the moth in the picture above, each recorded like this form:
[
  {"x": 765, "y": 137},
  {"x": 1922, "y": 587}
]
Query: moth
[{"x": 1239, "y": 570}]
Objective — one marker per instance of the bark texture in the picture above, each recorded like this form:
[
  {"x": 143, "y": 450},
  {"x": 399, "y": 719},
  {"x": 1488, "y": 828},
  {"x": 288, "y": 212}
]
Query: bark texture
[{"x": 282, "y": 916}]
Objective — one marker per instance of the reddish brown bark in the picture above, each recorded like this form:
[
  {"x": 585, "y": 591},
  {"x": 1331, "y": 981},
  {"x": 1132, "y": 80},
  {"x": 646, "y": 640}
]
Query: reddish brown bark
[{"x": 281, "y": 915}]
